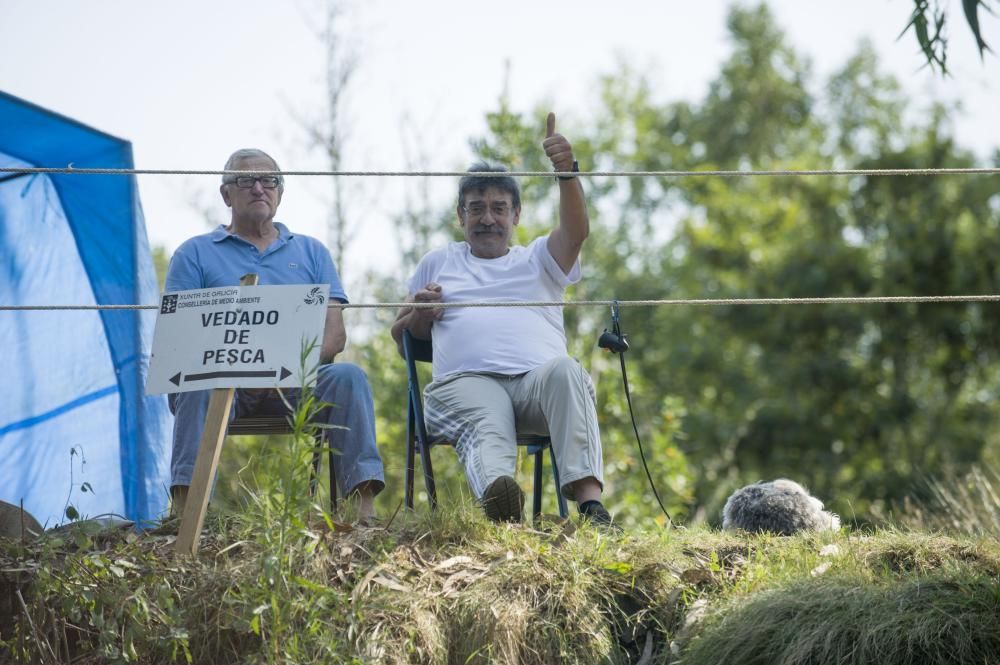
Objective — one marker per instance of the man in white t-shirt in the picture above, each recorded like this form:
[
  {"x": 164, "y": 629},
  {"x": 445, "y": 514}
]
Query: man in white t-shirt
[{"x": 503, "y": 370}]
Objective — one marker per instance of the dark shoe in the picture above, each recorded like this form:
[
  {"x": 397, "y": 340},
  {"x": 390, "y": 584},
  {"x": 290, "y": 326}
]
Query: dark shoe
[
  {"x": 595, "y": 513},
  {"x": 503, "y": 500}
]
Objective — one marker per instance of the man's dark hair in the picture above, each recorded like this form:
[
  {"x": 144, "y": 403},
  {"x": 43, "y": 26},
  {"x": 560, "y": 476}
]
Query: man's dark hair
[{"x": 480, "y": 183}]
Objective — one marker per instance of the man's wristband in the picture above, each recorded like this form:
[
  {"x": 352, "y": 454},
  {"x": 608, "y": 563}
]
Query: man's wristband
[{"x": 576, "y": 169}]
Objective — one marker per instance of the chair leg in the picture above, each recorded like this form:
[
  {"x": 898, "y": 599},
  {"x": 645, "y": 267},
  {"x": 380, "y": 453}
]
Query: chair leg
[
  {"x": 420, "y": 441},
  {"x": 314, "y": 473},
  {"x": 536, "y": 498},
  {"x": 333, "y": 483},
  {"x": 425, "y": 458},
  {"x": 563, "y": 511},
  {"x": 411, "y": 442}
]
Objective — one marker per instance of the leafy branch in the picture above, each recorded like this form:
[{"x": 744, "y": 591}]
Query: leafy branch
[{"x": 928, "y": 24}]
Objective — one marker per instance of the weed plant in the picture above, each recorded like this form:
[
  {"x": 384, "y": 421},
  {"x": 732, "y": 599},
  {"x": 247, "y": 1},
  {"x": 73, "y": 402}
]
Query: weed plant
[
  {"x": 450, "y": 587},
  {"x": 959, "y": 503},
  {"x": 837, "y": 621},
  {"x": 283, "y": 581},
  {"x": 276, "y": 520}
]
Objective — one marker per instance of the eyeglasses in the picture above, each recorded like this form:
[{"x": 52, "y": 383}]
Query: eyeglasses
[
  {"x": 247, "y": 181},
  {"x": 477, "y": 211}
]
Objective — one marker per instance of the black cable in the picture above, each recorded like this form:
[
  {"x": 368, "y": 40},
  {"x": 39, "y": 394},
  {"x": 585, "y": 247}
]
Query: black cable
[
  {"x": 642, "y": 455},
  {"x": 616, "y": 343}
]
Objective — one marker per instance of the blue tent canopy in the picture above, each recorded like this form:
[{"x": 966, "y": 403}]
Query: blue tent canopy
[{"x": 75, "y": 427}]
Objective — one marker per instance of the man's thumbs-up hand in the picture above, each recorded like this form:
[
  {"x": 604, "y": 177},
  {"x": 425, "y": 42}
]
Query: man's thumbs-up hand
[
  {"x": 558, "y": 149},
  {"x": 550, "y": 125}
]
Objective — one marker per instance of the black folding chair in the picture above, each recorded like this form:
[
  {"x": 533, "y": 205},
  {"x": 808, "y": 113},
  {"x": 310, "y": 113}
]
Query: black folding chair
[
  {"x": 418, "y": 350},
  {"x": 280, "y": 425}
]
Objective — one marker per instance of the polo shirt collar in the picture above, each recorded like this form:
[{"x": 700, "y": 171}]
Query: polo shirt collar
[{"x": 284, "y": 235}]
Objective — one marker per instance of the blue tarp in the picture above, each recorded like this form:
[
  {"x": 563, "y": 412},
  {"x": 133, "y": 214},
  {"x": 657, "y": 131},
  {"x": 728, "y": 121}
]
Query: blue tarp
[{"x": 75, "y": 427}]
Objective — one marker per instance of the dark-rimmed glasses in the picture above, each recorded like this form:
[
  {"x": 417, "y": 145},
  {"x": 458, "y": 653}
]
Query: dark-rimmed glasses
[
  {"x": 476, "y": 211},
  {"x": 247, "y": 181}
]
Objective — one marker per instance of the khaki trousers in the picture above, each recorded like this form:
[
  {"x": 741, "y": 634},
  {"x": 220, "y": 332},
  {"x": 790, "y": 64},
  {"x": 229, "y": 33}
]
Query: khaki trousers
[{"x": 480, "y": 414}]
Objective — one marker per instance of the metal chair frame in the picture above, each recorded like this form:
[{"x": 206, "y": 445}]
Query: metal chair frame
[
  {"x": 417, "y": 350},
  {"x": 280, "y": 425}
]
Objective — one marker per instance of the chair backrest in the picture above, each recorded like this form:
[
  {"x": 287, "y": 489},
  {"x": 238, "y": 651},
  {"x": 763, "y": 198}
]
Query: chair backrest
[
  {"x": 420, "y": 350},
  {"x": 414, "y": 351}
]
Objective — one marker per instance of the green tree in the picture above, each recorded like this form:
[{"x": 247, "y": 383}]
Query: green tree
[
  {"x": 855, "y": 401},
  {"x": 160, "y": 262}
]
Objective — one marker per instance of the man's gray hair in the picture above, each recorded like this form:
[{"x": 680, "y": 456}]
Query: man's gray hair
[
  {"x": 248, "y": 153},
  {"x": 480, "y": 183}
]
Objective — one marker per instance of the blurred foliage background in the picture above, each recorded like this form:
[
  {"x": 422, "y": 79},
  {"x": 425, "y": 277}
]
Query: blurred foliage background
[{"x": 860, "y": 403}]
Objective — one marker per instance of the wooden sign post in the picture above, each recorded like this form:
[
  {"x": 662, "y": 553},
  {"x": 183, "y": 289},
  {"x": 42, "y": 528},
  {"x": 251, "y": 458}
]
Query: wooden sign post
[
  {"x": 225, "y": 338},
  {"x": 207, "y": 462}
]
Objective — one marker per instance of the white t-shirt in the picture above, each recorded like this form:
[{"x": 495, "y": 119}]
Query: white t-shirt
[{"x": 503, "y": 340}]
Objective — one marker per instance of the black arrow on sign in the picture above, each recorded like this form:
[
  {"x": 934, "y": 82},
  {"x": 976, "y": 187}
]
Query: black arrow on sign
[{"x": 231, "y": 374}]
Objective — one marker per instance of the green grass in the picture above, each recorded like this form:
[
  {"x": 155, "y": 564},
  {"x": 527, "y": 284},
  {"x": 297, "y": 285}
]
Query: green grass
[
  {"x": 937, "y": 619},
  {"x": 449, "y": 587},
  {"x": 278, "y": 580}
]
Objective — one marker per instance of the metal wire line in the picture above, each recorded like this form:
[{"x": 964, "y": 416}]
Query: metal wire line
[
  {"x": 496, "y": 174},
  {"x": 499, "y": 174},
  {"x": 697, "y": 302}
]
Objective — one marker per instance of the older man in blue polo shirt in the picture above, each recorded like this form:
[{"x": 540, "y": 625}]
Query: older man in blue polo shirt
[{"x": 254, "y": 243}]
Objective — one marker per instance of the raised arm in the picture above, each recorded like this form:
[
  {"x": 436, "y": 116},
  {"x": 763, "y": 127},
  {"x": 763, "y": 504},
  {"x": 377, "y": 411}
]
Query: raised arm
[{"x": 567, "y": 238}]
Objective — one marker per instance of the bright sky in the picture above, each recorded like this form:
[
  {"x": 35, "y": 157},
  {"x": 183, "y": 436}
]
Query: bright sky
[{"x": 189, "y": 81}]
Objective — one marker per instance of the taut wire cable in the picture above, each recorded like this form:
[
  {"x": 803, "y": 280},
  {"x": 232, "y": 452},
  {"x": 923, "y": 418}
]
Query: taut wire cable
[
  {"x": 698, "y": 302},
  {"x": 70, "y": 169},
  {"x": 526, "y": 174}
]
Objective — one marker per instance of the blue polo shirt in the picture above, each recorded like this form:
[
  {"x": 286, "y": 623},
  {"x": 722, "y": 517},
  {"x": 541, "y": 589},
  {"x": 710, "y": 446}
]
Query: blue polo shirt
[{"x": 221, "y": 258}]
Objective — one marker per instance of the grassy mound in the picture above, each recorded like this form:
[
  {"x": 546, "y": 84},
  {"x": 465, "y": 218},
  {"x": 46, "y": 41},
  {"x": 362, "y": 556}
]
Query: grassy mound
[
  {"x": 938, "y": 620},
  {"x": 450, "y": 588}
]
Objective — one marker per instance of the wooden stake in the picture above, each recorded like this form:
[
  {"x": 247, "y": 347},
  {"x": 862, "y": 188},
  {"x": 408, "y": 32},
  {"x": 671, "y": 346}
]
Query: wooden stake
[{"x": 207, "y": 462}]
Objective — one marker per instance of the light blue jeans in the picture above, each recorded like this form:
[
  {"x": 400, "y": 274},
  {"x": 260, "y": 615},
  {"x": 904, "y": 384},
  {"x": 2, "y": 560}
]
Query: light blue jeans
[{"x": 343, "y": 385}]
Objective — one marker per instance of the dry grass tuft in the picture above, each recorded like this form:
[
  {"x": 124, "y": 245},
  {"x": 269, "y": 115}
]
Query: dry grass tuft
[{"x": 449, "y": 587}]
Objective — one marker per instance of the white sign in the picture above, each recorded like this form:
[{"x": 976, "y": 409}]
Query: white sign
[{"x": 236, "y": 337}]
